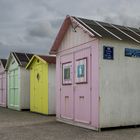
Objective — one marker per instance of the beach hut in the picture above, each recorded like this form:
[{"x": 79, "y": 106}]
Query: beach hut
[
  {"x": 42, "y": 84},
  {"x": 97, "y": 74},
  {"x": 18, "y": 81},
  {"x": 3, "y": 83}
]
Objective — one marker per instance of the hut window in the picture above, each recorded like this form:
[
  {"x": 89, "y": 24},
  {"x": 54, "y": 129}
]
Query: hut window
[
  {"x": 81, "y": 71},
  {"x": 66, "y": 73},
  {"x": 37, "y": 61}
]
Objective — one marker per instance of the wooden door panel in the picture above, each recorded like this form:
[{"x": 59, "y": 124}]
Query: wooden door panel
[
  {"x": 82, "y": 86},
  {"x": 66, "y": 75}
]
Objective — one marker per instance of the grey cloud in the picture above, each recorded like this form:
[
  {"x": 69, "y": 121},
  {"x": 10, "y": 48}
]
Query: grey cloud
[
  {"x": 124, "y": 20},
  {"x": 32, "y": 25},
  {"x": 42, "y": 29}
]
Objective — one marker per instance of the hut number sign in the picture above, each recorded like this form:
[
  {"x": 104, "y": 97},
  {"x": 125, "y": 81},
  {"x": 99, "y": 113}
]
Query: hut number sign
[
  {"x": 132, "y": 52},
  {"x": 108, "y": 53}
]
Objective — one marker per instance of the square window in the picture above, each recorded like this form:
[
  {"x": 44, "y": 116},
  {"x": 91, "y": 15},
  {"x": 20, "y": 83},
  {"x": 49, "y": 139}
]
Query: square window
[
  {"x": 81, "y": 71},
  {"x": 66, "y": 73}
]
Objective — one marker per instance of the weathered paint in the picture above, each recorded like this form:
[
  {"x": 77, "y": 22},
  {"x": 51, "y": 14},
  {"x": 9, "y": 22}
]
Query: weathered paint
[
  {"x": 51, "y": 88},
  {"x": 18, "y": 85},
  {"x": 113, "y": 98},
  {"x": 24, "y": 92},
  {"x": 42, "y": 76},
  {"x": 3, "y": 86},
  {"x": 119, "y": 86},
  {"x": 70, "y": 39},
  {"x": 70, "y": 107}
]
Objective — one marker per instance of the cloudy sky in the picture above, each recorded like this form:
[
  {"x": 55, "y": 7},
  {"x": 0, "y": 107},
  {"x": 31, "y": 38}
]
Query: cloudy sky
[{"x": 32, "y": 25}]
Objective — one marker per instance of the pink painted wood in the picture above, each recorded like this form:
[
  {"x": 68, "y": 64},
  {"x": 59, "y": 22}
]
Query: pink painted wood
[
  {"x": 67, "y": 90},
  {"x": 82, "y": 90},
  {"x": 79, "y": 102}
]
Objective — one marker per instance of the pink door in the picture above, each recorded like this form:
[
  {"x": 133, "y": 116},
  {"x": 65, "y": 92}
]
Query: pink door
[
  {"x": 66, "y": 90},
  {"x": 75, "y": 99},
  {"x": 82, "y": 86}
]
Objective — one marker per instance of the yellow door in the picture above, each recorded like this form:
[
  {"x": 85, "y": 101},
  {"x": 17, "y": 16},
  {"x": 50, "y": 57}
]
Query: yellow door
[{"x": 39, "y": 97}]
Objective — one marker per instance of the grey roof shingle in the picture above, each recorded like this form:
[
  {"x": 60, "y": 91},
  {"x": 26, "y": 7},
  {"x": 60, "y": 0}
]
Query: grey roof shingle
[
  {"x": 22, "y": 58},
  {"x": 99, "y": 30},
  {"x": 3, "y": 61},
  {"x": 128, "y": 33}
]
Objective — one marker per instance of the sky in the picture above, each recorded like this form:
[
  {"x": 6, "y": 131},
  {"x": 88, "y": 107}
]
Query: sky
[{"x": 31, "y": 25}]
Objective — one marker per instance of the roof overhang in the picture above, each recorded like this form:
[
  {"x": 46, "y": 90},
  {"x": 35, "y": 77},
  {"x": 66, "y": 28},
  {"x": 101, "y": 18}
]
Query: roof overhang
[
  {"x": 32, "y": 59},
  {"x": 2, "y": 64},
  {"x": 69, "y": 20},
  {"x": 8, "y": 60}
]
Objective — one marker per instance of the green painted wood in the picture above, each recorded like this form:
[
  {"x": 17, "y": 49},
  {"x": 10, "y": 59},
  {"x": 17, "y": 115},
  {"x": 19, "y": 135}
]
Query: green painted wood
[
  {"x": 13, "y": 86},
  {"x": 13, "y": 89}
]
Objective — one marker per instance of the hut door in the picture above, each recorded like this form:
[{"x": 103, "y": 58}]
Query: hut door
[
  {"x": 66, "y": 89},
  {"x": 13, "y": 88},
  {"x": 38, "y": 93},
  {"x": 82, "y": 84}
]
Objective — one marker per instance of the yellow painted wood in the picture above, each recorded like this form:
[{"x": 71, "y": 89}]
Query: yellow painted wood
[{"x": 39, "y": 86}]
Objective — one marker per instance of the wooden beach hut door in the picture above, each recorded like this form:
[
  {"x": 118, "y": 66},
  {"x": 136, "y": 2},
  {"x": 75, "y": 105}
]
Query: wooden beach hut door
[
  {"x": 39, "y": 101},
  {"x": 75, "y": 87},
  {"x": 82, "y": 84},
  {"x": 13, "y": 88},
  {"x": 67, "y": 98},
  {"x": 2, "y": 88}
]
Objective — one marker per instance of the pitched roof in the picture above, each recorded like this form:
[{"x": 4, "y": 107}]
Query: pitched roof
[
  {"x": 97, "y": 29},
  {"x": 3, "y": 61},
  {"x": 22, "y": 58},
  {"x": 48, "y": 59},
  {"x": 112, "y": 30}
]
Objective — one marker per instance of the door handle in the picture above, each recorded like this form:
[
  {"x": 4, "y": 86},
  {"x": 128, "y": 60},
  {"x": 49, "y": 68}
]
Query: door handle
[{"x": 66, "y": 96}]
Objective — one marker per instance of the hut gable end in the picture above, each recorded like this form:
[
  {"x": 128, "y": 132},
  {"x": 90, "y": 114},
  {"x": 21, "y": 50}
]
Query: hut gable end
[
  {"x": 11, "y": 62},
  {"x": 40, "y": 59},
  {"x": 1, "y": 67},
  {"x": 73, "y": 38}
]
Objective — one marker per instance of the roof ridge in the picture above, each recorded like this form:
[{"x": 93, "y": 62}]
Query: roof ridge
[
  {"x": 17, "y": 58},
  {"x": 107, "y": 22},
  {"x": 99, "y": 30}
]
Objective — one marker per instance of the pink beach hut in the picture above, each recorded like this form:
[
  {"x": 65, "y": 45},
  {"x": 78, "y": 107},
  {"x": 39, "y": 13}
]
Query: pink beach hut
[
  {"x": 3, "y": 83},
  {"x": 97, "y": 72}
]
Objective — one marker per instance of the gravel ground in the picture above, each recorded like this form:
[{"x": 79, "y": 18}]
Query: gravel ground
[{"x": 24, "y": 125}]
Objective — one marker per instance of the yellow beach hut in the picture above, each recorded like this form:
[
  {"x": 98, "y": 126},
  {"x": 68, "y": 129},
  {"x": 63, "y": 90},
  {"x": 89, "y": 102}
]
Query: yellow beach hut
[{"x": 42, "y": 84}]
